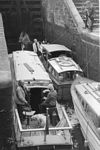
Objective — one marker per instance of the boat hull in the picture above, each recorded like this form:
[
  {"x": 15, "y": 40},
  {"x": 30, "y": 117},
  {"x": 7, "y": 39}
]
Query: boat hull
[{"x": 87, "y": 129}]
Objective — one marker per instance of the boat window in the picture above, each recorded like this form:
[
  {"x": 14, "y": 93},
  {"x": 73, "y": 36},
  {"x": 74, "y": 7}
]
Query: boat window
[
  {"x": 72, "y": 75},
  {"x": 59, "y": 53},
  {"x": 53, "y": 72},
  {"x": 50, "y": 68},
  {"x": 64, "y": 76},
  {"x": 61, "y": 77},
  {"x": 92, "y": 116},
  {"x": 57, "y": 76},
  {"x": 76, "y": 73},
  {"x": 90, "y": 113},
  {"x": 79, "y": 96},
  {"x": 67, "y": 76}
]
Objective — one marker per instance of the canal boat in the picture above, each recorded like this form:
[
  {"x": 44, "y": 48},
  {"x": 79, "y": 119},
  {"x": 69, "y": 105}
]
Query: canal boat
[
  {"x": 86, "y": 99},
  {"x": 52, "y": 131},
  {"x": 61, "y": 68}
]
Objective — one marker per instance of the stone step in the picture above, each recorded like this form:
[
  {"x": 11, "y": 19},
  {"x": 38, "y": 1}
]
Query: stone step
[
  {"x": 96, "y": 30},
  {"x": 96, "y": 14},
  {"x": 95, "y": 25},
  {"x": 80, "y": 7},
  {"x": 96, "y": 11},
  {"x": 95, "y": 20},
  {"x": 82, "y": 3}
]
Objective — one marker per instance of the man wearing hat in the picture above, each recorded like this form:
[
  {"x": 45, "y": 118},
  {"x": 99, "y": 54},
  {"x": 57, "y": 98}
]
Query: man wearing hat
[
  {"x": 50, "y": 100},
  {"x": 21, "y": 100}
]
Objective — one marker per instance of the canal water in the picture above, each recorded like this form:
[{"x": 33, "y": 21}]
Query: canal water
[{"x": 77, "y": 137}]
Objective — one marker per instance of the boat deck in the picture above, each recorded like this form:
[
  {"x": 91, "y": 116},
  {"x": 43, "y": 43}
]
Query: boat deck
[
  {"x": 58, "y": 134},
  {"x": 39, "y": 140}
]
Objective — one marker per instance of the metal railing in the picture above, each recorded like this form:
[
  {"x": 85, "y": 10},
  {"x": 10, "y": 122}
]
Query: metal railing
[{"x": 21, "y": 133}]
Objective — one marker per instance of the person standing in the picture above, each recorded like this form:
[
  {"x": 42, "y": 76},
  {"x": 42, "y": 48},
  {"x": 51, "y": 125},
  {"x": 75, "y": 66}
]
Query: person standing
[
  {"x": 88, "y": 10},
  {"x": 24, "y": 40},
  {"x": 36, "y": 47},
  {"x": 50, "y": 100},
  {"x": 21, "y": 101}
]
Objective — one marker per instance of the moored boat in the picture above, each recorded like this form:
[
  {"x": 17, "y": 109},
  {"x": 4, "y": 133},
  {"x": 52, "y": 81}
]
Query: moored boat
[
  {"x": 86, "y": 99},
  {"x": 61, "y": 68},
  {"x": 54, "y": 133}
]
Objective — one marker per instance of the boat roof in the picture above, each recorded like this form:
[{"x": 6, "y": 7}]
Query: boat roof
[
  {"x": 28, "y": 67},
  {"x": 55, "y": 47},
  {"x": 90, "y": 92},
  {"x": 64, "y": 64}
]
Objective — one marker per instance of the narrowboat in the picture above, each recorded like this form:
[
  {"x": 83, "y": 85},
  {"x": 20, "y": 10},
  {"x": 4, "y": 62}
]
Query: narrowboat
[
  {"x": 38, "y": 131},
  {"x": 86, "y": 99}
]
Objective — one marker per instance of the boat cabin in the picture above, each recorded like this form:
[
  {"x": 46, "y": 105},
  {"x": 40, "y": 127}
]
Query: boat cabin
[
  {"x": 39, "y": 130},
  {"x": 89, "y": 97},
  {"x": 54, "y": 50},
  {"x": 62, "y": 71},
  {"x": 28, "y": 68}
]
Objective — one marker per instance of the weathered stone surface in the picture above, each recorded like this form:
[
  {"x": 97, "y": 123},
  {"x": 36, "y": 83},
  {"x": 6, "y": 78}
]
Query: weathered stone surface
[
  {"x": 6, "y": 115},
  {"x": 86, "y": 43}
]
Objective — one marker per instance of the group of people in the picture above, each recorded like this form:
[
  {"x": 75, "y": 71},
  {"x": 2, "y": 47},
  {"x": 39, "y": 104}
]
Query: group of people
[
  {"x": 89, "y": 13},
  {"x": 23, "y": 98},
  {"x": 26, "y": 42}
]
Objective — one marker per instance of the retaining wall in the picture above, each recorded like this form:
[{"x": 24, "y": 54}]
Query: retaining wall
[
  {"x": 5, "y": 92},
  {"x": 63, "y": 24}
]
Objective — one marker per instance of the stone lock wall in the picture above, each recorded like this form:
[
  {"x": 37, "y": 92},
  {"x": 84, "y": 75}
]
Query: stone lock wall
[
  {"x": 60, "y": 27},
  {"x": 6, "y": 115}
]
